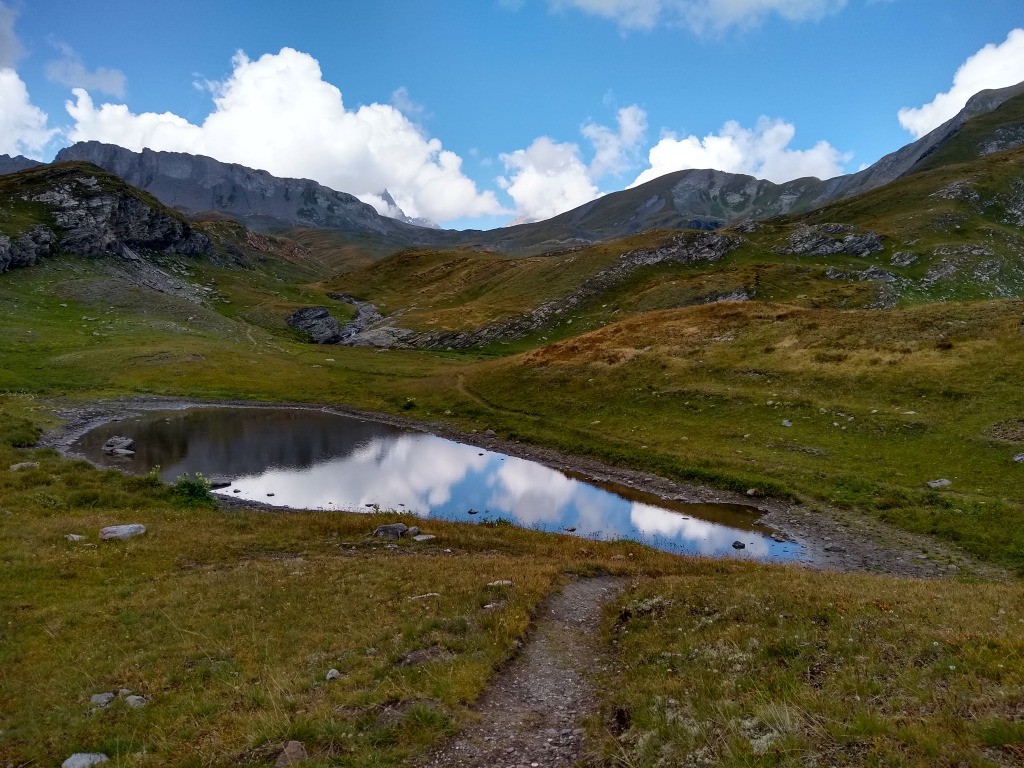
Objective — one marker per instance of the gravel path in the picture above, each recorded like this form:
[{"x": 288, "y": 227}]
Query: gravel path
[{"x": 532, "y": 714}]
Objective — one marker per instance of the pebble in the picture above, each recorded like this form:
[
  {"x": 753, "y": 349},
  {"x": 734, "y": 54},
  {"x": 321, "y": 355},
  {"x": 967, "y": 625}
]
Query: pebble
[
  {"x": 333, "y": 674},
  {"x": 122, "y": 531},
  {"x": 135, "y": 702},
  {"x": 85, "y": 760},
  {"x": 1019, "y": 458},
  {"x": 413, "y": 531},
  {"x": 74, "y": 537},
  {"x": 787, "y": 423},
  {"x": 738, "y": 545}
]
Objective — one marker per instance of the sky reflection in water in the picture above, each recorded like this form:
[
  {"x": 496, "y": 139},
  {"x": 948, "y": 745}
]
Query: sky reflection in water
[{"x": 317, "y": 460}]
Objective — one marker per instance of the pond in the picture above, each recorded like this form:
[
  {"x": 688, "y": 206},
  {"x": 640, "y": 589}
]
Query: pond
[{"x": 313, "y": 459}]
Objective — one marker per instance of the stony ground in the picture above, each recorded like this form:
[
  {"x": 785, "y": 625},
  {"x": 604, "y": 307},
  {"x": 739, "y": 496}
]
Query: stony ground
[{"x": 533, "y": 713}]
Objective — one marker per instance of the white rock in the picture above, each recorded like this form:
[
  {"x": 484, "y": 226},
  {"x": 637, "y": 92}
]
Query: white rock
[
  {"x": 135, "y": 702},
  {"x": 423, "y": 537},
  {"x": 500, "y": 583},
  {"x": 122, "y": 531},
  {"x": 333, "y": 674},
  {"x": 943, "y": 483},
  {"x": 74, "y": 537},
  {"x": 787, "y": 423},
  {"x": 101, "y": 699},
  {"x": 1019, "y": 458},
  {"x": 85, "y": 760},
  {"x": 24, "y": 465}
]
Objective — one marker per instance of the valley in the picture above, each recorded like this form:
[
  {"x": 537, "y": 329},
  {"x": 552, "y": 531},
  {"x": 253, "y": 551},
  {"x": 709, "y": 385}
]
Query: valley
[{"x": 850, "y": 365}]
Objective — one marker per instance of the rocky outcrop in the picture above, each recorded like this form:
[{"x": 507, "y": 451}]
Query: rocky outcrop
[
  {"x": 317, "y": 323},
  {"x": 831, "y": 239},
  {"x": 94, "y": 215}
]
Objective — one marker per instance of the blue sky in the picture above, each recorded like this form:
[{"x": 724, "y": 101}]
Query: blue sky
[{"x": 478, "y": 112}]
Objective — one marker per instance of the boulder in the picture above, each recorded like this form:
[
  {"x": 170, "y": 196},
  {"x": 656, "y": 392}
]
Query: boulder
[
  {"x": 333, "y": 674},
  {"x": 119, "y": 443},
  {"x": 317, "y": 323},
  {"x": 122, "y": 531},
  {"x": 392, "y": 531}
]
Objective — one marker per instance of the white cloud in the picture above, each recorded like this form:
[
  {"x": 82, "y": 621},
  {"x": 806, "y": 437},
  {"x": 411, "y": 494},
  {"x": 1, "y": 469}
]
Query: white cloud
[
  {"x": 10, "y": 47},
  {"x": 762, "y": 151},
  {"x": 69, "y": 71},
  {"x": 23, "y": 129},
  {"x": 615, "y": 151},
  {"x": 701, "y": 15},
  {"x": 994, "y": 66},
  {"x": 277, "y": 113},
  {"x": 548, "y": 177}
]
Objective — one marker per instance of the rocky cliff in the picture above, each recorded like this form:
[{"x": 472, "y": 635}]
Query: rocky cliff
[
  {"x": 79, "y": 209},
  {"x": 17, "y": 163},
  {"x": 197, "y": 184}
]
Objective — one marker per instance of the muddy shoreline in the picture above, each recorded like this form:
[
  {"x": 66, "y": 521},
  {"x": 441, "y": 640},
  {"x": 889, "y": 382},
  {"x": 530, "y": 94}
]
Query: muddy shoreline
[{"x": 831, "y": 540}]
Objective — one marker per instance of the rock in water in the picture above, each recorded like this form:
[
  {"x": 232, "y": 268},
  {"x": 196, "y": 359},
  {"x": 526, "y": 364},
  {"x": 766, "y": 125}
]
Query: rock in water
[
  {"x": 85, "y": 760},
  {"x": 119, "y": 443},
  {"x": 738, "y": 545},
  {"x": 122, "y": 531},
  {"x": 393, "y": 531},
  {"x": 318, "y": 323},
  {"x": 294, "y": 752}
]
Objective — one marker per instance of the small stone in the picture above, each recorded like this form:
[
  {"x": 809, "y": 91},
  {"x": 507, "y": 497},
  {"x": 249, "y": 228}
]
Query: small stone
[
  {"x": 755, "y": 493},
  {"x": 135, "y": 702},
  {"x": 271, "y": 494},
  {"x": 427, "y": 596},
  {"x": 471, "y": 511},
  {"x": 413, "y": 532},
  {"x": 237, "y": 490},
  {"x": 294, "y": 752},
  {"x": 333, "y": 674},
  {"x": 570, "y": 529},
  {"x": 24, "y": 465},
  {"x": 943, "y": 483},
  {"x": 835, "y": 548},
  {"x": 490, "y": 433},
  {"x": 102, "y": 699},
  {"x": 787, "y": 423},
  {"x": 85, "y": 760},
  {"x": 778, "y": 537},
  {"x": 1019, "y": 458},
  {"x": 738, "y": 545},
  {"x": 124, "y": 692},
  {"x": 74, "y": 537},
  {"x": 423, "y": 537},
  {"x": 500, "y": 583},
  {"x": 122, "y": 531},
  {"x": 393, "y": 531}
]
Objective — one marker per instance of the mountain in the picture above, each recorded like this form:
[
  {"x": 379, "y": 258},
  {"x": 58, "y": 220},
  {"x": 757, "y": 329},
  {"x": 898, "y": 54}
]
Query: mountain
[
  {"x": 196, "y": 185},
  {"x": 17, "y": 163},
  {"x": 690, "y": 199}
]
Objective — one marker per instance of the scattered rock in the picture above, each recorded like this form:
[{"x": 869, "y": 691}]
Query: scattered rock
[
  {"x": 738, "y": 545},
  {"x": 500, "y": 583},
  {"x": 413, "y": 531},
  {"x": 24, "y": 465},
  {"x": 294, "y": 752},
  {"x": 136, "y": 702},
  {"x": 787, "y": 423},
  {"x": 392, "y": 531},
  {"x": 102, "y": 699},
  {"x": 424, "y": 537},
  {"x": 333, "y": 674},
  {"x": 1019, "y": 458},
  {"x": 943, "y": 483},
  {"x": 122, "y": 531},
  {"x": 85, "y": 760},
  {"x": 74, "y": 537},
  {"x": 119, "y": 443}
]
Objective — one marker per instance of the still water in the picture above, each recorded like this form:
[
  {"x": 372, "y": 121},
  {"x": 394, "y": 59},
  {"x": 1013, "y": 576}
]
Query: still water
[{"x": 318, "y": 460}]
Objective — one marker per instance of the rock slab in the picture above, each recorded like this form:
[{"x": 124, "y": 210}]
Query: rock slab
[
  {"x": 85, "y": 760},
  {"x": 122, "y": 532}
]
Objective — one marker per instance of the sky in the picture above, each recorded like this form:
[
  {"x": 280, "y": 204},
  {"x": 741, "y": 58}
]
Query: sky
[{"x": 478, "y": 113}]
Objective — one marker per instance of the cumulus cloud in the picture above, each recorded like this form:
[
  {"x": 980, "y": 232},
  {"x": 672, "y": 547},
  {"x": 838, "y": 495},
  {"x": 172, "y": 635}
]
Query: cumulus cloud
[
  {"x": 23, "y": 126},
  {"x": 994, "y": 66},
  {"x": 10, "y": 47},
  {"x": 701, "y": 15},
  {"x": 70, "y": 71},
  {"x": 548, "y": 177},
  {"x": 277, "y": 113},
  {"x": 762, "y": 151}
]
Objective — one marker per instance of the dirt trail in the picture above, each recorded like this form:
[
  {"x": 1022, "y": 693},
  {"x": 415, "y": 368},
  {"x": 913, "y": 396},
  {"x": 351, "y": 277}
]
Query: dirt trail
[{"x": 532, "y": 714}]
